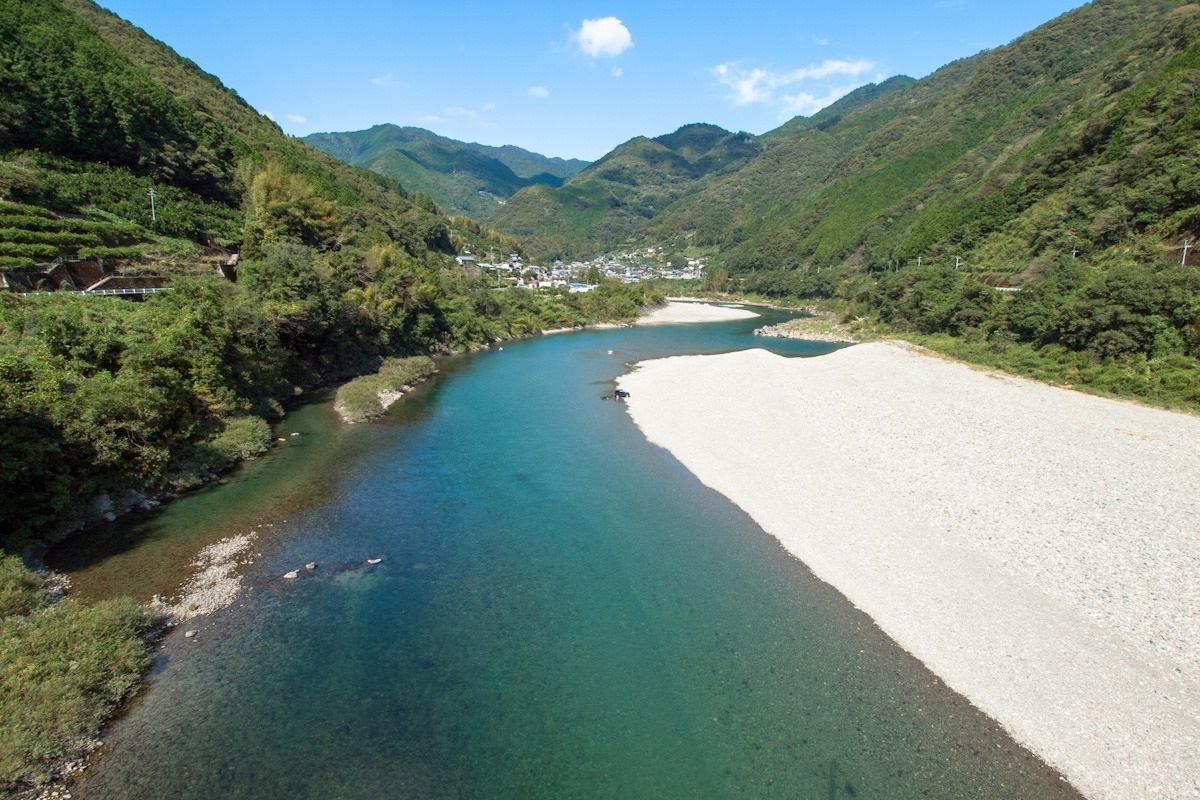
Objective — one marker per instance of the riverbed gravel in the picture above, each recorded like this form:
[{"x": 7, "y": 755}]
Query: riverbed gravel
[{"x": 1038, "y": 548}]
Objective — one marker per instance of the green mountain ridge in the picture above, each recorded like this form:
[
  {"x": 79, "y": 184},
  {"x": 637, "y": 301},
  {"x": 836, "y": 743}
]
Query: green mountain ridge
[
  {"x": 968, "y": 131},
  {"x": 615, "y": 201},
  {"x": 1063, "y": 167},
  {"x": 339, "y": 267},
  {"x": 1004, "y": 160},
  {"x": 602, "y": 205},
  {"x": 461, "y": 177}
]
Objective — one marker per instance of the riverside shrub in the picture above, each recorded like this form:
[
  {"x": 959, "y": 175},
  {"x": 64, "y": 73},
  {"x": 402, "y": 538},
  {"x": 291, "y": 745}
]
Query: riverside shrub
[
  {"x": 358, "y": 400},
  {"x": 63, "y": 669}
]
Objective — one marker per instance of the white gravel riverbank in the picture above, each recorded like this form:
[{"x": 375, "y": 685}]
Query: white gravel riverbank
[
  {"x": 676, "y": 312},
  {"x": 1036, "y": 547},
  {"x": 217, "y": 582}
]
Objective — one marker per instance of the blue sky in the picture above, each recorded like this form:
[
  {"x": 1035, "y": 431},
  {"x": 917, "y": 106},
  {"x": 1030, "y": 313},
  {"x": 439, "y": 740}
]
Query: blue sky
[{"x": 571, "y": 79}]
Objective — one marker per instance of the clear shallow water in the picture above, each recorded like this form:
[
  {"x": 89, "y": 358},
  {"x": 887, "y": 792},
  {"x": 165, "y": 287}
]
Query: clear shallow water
[{"x": 562, "y": 611}]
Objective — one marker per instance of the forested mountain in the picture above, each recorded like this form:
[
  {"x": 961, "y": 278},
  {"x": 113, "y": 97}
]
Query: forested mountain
[
  {"x": 615, "y": 201},
  {"x": 1076, "y": 135},
  {"x": 339, "y": 267},
  {"x": 461, "y": 177},
  {"x": 1079, "y": 135},
  {"x": 608, "y": 202}
]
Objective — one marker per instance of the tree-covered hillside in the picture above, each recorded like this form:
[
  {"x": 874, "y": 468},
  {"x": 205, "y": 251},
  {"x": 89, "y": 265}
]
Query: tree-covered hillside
[
  {"x": 1078, "y": 136},
  {"x": 609, "y": 203},
  {"x": 461, "y": 177},
  {"x": 982, "y": 158},
  {"x": 617, "y": 201},
  {"x": 1064, "y": 164},
  {"x": 339, "y": 267}
]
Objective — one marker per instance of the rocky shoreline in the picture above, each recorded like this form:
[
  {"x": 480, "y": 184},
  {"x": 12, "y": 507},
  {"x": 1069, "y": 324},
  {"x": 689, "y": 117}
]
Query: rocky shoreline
[
  {"x": 215, "y": 585},
  {"x": 816, "y": 326}
]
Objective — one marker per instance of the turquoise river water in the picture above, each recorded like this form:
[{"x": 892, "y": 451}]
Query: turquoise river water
[{"x": 562, "y": 611}]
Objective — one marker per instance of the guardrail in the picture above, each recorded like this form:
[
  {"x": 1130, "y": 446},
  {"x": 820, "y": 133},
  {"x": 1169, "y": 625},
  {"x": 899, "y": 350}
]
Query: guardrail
[{"x": 108, "y": 292}]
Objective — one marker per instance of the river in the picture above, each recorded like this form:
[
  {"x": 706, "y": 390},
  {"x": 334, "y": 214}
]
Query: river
[{"x": 561, "y": 611}]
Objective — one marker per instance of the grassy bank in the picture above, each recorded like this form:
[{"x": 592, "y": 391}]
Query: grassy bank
[
  {"x": 64, "y": 667},
  {"x": 366, "y": 397}
]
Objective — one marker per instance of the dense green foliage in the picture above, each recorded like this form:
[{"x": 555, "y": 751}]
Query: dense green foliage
[
  {"x": 1066, "y": 163},
  {"x": 619, "y": 200},
  {"x": 62, "y": 667},
  {"x": 461, "y": 177},
  {"x": 99, "y": 395},
  {"x": 1125, "y": 329},
  {"x": 1080, "y": 135},
  {"x": 609, "y": 203},
  {"x": 97, "y": 114},
  {"x": 359, "y": 400}
]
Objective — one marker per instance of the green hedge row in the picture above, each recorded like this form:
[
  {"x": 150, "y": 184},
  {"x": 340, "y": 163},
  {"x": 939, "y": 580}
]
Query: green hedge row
[{"x": 60, "y": 238}]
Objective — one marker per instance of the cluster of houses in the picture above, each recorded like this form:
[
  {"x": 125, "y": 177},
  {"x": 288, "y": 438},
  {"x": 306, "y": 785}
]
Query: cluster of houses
[
  {"x": 580, "y": 276},
  {"x": 93, "y": 277}
]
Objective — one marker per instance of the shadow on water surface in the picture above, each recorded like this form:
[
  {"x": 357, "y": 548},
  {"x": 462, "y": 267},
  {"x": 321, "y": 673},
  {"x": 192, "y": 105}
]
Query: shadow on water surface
[{"x": 151, "y": 552}]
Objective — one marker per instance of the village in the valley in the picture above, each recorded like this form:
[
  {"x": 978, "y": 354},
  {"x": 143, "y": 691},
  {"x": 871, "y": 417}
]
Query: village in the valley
[{"x": 583, "y": 276}]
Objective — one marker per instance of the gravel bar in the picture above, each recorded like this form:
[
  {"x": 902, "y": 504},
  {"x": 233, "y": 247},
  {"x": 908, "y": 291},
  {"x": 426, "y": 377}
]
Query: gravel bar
[{"x": 1036, "y": 547}]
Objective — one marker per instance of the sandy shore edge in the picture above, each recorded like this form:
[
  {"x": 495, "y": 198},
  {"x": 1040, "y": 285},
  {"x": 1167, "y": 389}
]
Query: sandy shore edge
[
  {"x": 1035, "y": 547},
  {"x": 676, "y": 312}
]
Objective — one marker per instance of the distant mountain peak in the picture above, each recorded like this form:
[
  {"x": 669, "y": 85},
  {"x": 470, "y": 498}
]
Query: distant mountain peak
[{"x": 462, "y": 177}]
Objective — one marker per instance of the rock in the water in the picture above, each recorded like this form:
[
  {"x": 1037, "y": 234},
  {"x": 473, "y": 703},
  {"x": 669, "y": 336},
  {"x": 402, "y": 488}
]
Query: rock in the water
[
  {"x": 189, "y": 634},
  {"x": 374, "y": 560},
  {"x": 293, "y": 574},
  {"x": 310, "y": 566}
]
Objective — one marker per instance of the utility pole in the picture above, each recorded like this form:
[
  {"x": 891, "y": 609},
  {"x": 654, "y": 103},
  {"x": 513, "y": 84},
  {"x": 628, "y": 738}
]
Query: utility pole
[
  {"x": 957, "y": 261},
  {"x": 1183, "y": 261},
  {"x": 918, "y": 262},
  {"x": 153, "y": 212}
]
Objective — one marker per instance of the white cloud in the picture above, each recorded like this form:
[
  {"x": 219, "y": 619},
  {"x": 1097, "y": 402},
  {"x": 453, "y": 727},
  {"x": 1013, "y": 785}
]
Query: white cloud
[
  {"x": 269, "y": 115},
  {"x": 781, "y": 89},
  {"x": 822, "y": 42},
  {"x": 603, "y": 37},
  {"x": 617, "y": 72},
  {"x": 385, "y": 80},
  {"x": 458, "y": 117},
  {"x": 538, "y": 91},
  {"x": 296, "y": 118},
  {"x": 808, "y": 104}
]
